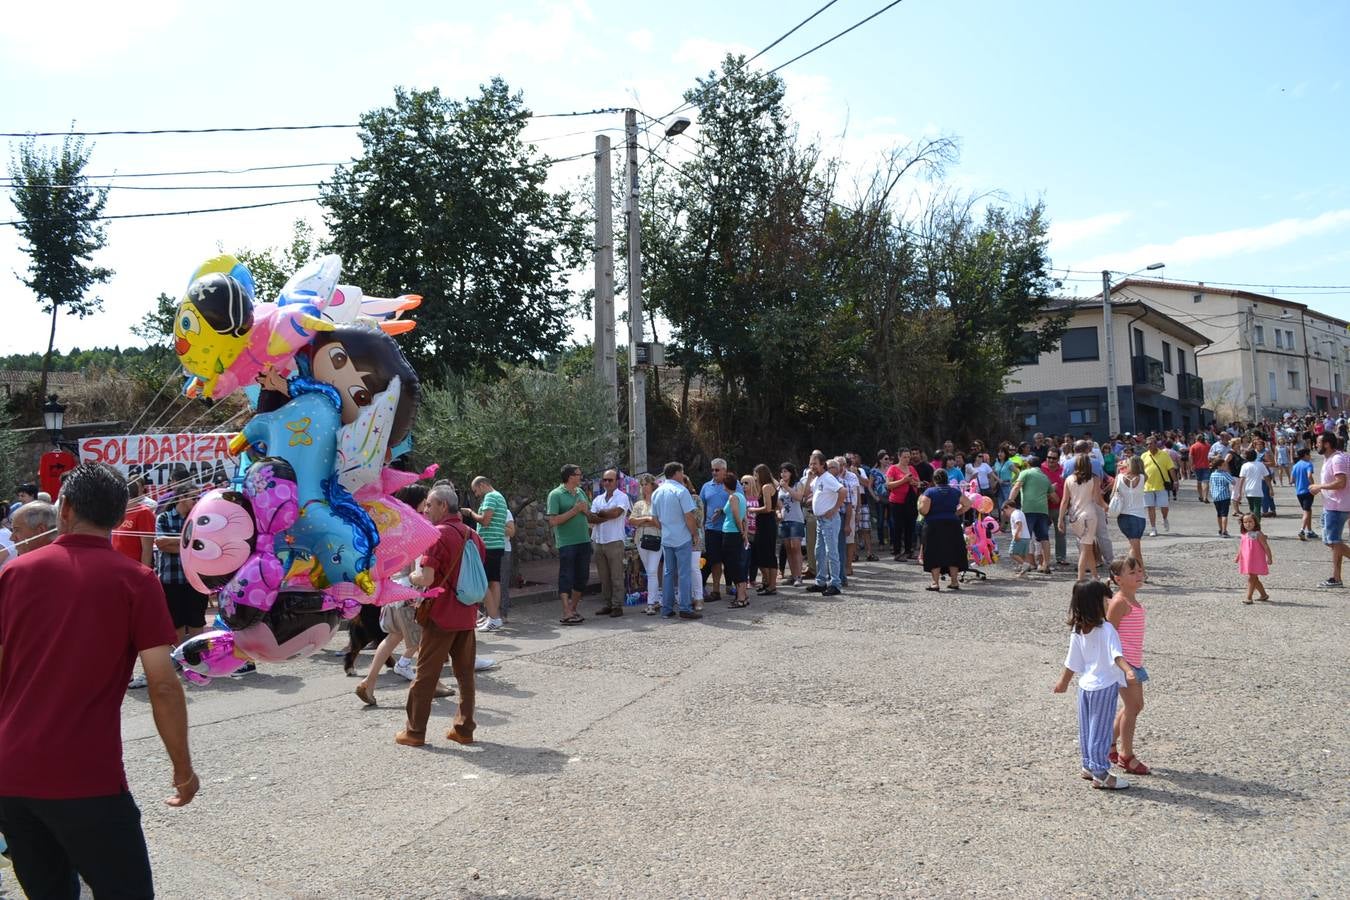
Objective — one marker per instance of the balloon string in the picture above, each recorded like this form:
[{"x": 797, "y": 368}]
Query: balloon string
[{"x": 167, "y": 381}]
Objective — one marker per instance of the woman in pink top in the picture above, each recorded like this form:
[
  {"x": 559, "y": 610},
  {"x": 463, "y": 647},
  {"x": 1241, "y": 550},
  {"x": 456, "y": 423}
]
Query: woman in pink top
[
  {"x": 1126, "y": 615},
  {"x": 902, "y": 480}
]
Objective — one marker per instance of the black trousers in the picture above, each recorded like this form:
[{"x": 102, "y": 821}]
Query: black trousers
[
  {"x": 903, "y": 517},
  {"x": 54, "y": 843}
]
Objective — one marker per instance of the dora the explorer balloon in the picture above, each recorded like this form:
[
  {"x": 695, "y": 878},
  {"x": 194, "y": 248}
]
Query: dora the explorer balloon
[
  {"x": 332, "y": 530},
  {"x": 379, "y": 392},
  {"x": 225, "y": 340}
]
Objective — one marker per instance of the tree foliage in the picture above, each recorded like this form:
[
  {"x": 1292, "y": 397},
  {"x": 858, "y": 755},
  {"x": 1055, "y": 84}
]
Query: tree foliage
[
  {"x": 448, "y": 201},
  {"x": 519, "y": 430},
  {"x": 820, "y": 315},
  {"x": 58, "y": 219},
  {"x": 272, "y": 267}
]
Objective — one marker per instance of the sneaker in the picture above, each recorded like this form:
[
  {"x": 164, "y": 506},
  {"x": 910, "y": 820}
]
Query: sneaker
[
  {"x": 1331, "y": 583},
  {"x": 408, "y": 672},
  {"x": 690, "y": 614},
  {"x": 816, "y": 589},
  {"x": 137, "y": 682},
  {"x": 652, "y": 609},
  {"x": 247, "y": 669},
  {"x": 1303, "y": 535},
  {"x": 832, "y": 592},
  {"x": 1153, "y": 532},
  {"x": 1167, "y": 526},
  {"x": 491, "y": 625}
]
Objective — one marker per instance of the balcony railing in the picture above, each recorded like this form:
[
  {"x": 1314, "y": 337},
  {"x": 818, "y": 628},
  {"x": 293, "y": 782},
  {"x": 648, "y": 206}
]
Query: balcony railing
[
  {"x": 1190, "y": 389},
  {"x": 1148, "y": 374}
]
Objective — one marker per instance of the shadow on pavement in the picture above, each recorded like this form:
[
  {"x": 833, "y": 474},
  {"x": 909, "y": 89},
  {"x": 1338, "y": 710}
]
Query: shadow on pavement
[
  {"x": 1208, "y": 806},
  {"x": 1215, "y": 783},
  {"x": 504, "y": 759}
]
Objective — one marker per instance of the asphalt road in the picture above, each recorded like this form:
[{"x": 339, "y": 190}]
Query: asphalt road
[{"x": 887, "y": 742}]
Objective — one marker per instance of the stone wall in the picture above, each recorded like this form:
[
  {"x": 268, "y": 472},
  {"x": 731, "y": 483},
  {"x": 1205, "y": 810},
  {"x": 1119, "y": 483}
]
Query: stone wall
[{"x": 534, "y": 539}]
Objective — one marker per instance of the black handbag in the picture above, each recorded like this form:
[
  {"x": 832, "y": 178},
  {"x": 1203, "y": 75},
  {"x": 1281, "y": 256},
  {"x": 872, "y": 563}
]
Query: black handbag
[{"x": 650, "y": 542}]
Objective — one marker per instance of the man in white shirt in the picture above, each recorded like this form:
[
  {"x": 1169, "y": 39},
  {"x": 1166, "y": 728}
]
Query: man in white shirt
[
  {"x": 609, "y": 511},
  {"x": 827, "y": 502}
]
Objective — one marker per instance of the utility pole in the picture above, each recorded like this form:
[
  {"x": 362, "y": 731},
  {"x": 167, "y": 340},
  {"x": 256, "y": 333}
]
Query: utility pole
[
  {"x": 637, "y": 377},
  {"x": 1108, "y": 334},
  {"x": 605, "y": 347}
]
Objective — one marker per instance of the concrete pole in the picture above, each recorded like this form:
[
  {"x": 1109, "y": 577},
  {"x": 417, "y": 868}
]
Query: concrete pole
[
  {"x": 605, "y": 368},
  {"x": 1108, "y": 334},
  {"x": 637, "y": 377}
]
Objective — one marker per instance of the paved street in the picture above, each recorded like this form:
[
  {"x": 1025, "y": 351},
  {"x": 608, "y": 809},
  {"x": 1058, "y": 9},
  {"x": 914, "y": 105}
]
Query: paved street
[{"x": 887, "y": 742}]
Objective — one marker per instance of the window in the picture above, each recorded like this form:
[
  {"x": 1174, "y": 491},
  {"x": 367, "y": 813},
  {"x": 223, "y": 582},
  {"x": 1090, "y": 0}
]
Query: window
[
  {"x": 1084, "y": 410},
  {"x": 1336, "y": 382},
  {"x": 1259, "y": 335},
  {"x": 1027, "y": 355},
  {"x": 1279, "y": 338},
  {"x": 1079, "y": 344},
  {"x": 1138, "y": 342},
  {"x": 1181, "y": 363},
  {"x": 1167, "y": 357},
  {"x": 1293, "y": 380},
  {"x": 1270, "y": 383},
  {"x": 1028, "y": 413},
  {"x": 1289, "y": 340}
]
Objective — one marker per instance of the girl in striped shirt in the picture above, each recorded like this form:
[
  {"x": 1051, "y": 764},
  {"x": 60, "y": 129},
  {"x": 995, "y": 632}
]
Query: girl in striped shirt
[{"x": 1126, "y": 614}]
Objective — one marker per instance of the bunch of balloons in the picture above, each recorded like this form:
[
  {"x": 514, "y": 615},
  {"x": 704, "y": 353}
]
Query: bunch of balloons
[
  {"x": 980, "y": 541},
  {"x": 310, "y": 530}
]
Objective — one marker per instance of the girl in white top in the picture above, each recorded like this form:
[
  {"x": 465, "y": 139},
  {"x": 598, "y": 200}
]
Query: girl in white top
[
  {"x": 1097, "y": 658},
  {"x": 1132, "y": 516}
]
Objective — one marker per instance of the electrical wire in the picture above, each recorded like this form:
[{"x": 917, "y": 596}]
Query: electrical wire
[
  {"x": 170, "y": 187},
  {"x": 182, "y": 212},
  {"x": 828, "y": 41},
  {"x": 260, "y": 128},
  {"x": 210, "y": 171}
]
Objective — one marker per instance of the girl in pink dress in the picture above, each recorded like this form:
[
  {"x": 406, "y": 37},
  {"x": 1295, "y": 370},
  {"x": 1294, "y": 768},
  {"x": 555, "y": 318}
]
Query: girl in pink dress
[{"x": 1254, "y": 557}]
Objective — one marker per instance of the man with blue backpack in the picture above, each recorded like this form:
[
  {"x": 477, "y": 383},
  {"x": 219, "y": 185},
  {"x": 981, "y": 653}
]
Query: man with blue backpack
[{"x": 448, "y": 618}]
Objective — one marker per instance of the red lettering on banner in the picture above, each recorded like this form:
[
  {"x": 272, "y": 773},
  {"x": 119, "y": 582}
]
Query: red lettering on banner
[
  {"x": 183, "y": 445},
  {"x": 91, "y": 450},
  {"x": 115, "y": 451}
]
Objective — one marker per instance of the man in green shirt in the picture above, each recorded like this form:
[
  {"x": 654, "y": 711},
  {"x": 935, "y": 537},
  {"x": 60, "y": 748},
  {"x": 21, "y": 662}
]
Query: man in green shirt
[
  {"x": 1035, "y": 490},
  {"x": 569, "y": 514},
  {"x": 491, "y": 519}
]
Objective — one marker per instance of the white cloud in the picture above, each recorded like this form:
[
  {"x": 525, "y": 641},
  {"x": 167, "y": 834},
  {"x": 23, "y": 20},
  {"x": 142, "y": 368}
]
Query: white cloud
[
  {"x": 1071, "y": 231},
  {"x": 78, "y": 34},
  {"x": 641, "y": 40},
  {"x": 1220, "y": 244}
]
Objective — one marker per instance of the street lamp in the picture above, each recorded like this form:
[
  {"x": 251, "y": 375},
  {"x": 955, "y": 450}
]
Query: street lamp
[
  {"x": 1112, "y": 394},
  {"x": 677, "y": 127},
  {"x": 53, "y": 418}
]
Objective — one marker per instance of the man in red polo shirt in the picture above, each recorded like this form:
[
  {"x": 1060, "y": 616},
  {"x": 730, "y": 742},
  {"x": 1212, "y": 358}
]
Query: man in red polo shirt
[
  {"x": 449, "y": 632},
  {"x": 134, "y": 536},
  {"x": 64, "y": 803}
]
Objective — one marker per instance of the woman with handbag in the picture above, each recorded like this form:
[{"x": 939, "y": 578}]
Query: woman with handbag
[
  {"x": 648, "y": 538},
  {"x": 1127, "y": 505},
  {"x": 1082, "y": 506}
]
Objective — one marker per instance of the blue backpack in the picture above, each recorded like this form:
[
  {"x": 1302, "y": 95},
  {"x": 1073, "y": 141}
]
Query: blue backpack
[{"x": 472, "y": 586}]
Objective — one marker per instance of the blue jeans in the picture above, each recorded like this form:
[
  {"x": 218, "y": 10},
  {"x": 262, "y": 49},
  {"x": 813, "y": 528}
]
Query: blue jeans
[
  {"x": 827, "y": 551},
  {"x": 843, "y": 549},
  {"x": 679, "y": 561}
]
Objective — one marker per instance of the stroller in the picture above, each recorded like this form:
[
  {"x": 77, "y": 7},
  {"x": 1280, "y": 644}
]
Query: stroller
[{"x": 981, "y": 549}]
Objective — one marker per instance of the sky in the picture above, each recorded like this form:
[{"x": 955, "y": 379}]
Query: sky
[{"x": 1209, "y": 136}]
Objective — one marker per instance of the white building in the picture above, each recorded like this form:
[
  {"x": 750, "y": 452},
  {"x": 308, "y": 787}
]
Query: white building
[
  {"x": 1268, "y": 354},
  {"x": 1065, "y": 389}
]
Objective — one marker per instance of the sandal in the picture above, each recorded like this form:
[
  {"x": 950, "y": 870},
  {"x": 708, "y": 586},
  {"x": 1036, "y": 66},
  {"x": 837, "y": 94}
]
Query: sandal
[
  {"x": 573, "y": 619},
  {"x": 739, "y": 604},
  {"x": 769, "y": 593},
  {"x": 1265, "y": 599},
  {"x": 871, "y": 557},
  {"x": 652, "y": 610},
  {"x": 1086, "y": 774},
  {"x": 1132, "y": 765},
  {"x": 933, "y": 587},
  {"x": 1109, "y": 783}
]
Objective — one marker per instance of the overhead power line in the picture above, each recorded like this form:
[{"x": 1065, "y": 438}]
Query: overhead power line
[
  {"x": 828, "y": 41},
  {"x": 259, "y": 128},
  {"x": 184, "y": 212}
]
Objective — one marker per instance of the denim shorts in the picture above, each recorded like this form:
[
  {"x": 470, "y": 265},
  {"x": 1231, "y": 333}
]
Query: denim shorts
[
  {"x": 1039, "y": 526},
  {"x": 574, "y": 567},
  {"x": 791, "y": 530},
  {"x": 1131, "y": 526},
  {"x": 1333, "y": 524},
  {"x": 1202, "y": 475},
  {"x": 1156, "y": 499},
  {"x": 1140, "y": 674},
  {"x": 1222, "y": 507}
]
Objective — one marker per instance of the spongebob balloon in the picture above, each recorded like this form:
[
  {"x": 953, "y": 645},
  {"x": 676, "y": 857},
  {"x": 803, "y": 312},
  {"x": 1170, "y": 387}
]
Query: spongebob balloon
[{"x": 225, "y": 340}]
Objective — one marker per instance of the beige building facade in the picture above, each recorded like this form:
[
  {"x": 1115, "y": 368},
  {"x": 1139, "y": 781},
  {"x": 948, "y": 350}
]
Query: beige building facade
[
  {"x": 1158, "y": 386},
  {"x": 1268, "y": 354}
]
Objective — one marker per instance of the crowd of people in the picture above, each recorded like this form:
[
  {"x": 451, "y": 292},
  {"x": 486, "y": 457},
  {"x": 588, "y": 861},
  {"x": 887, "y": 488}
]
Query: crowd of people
[{"x": 683, "y": 545}]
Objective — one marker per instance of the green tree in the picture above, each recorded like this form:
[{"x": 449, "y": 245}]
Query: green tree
[
  {"x": 448, "y": 201},
  {"x": 518, "y": 430},
  {"x": 58, "y": 218},
  {"x": 156, "y": 326}
]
